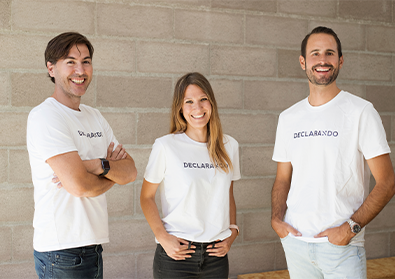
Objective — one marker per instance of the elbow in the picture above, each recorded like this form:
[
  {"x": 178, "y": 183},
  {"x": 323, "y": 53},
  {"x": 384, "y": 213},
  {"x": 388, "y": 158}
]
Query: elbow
[{"x": 129, "y": 177}]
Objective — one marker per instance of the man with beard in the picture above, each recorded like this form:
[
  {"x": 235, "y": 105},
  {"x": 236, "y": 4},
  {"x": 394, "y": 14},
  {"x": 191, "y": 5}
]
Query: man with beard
[
  {"x": 75, "y": 158},
  {"x": 325, "y": 145}
]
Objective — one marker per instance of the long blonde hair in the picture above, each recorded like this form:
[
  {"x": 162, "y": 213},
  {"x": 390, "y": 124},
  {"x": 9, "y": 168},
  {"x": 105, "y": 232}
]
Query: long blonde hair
[{"x": 215, "y": 144}]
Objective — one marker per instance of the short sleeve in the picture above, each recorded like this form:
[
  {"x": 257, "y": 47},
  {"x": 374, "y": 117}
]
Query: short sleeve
[
  {"x": 48, "y": 135},
  {"x": 372, "y": 136},
  {"x": 235, "y": 161},
  {"x": 156, "y": 167},
  {"x": 280, "y": 151}
]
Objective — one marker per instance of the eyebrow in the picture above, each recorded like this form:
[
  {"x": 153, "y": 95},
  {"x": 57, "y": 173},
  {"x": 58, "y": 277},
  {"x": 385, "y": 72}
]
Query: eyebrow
[{"x": 327, "y": 50}]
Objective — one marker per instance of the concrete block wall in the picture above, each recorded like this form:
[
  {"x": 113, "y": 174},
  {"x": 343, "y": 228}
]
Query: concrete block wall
[{"x": 248, "y": 49}]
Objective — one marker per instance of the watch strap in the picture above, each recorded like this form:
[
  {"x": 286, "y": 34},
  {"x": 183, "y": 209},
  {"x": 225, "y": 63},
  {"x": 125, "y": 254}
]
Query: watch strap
[{"x": 105, "y": 165}]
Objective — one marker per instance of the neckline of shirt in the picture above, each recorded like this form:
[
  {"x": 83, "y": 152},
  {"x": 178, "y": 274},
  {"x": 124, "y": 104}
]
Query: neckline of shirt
[
  {"x": 77, "y": 112},
  {"x": 326, "y": 105},
  {"x": 203, "y": 144}
]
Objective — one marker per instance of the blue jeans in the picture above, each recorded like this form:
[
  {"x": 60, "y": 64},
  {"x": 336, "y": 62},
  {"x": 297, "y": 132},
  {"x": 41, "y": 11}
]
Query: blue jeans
[
  {"x": 82, "y": 262},
  {"x": 200, "y": 265},
  {"x": 323, "y": 260}
]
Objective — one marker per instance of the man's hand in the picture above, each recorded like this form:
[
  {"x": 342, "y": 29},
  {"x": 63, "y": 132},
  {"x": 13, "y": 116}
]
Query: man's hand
[
  {"x": 283, "y": 229},
  {"x": 339, "y": 235},
  {"x": 119, "y": 152}
]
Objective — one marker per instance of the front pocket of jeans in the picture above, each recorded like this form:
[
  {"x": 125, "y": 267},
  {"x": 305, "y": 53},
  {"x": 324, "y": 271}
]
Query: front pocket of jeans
[
  {"x": 338, "y": 246},
  {"x": 66, "y": 261}
]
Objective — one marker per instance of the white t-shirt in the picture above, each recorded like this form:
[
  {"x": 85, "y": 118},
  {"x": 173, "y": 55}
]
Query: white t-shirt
[
  {"x": 194, "y": 194},
  {"x": 61, "y": 220},
  {"x": 326, "y": 146}
]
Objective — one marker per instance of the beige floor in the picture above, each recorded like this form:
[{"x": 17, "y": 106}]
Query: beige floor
[{"x": 377, "y": 269}]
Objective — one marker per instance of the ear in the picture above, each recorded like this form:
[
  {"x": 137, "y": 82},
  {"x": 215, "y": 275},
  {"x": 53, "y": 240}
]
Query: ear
[
  {"x": 302, "y": 62},
  {"x": 341, "y": 61},
  {"x": 50, "y": 68}
]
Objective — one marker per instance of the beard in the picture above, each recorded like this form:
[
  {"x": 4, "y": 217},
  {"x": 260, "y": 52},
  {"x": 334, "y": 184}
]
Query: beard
[{"x": 323, "y": 80}]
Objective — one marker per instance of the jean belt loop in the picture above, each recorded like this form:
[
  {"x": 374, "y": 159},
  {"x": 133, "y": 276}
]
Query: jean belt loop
[{"x": 189, "y": 244}]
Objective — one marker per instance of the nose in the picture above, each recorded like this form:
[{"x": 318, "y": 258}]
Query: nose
[{"x": 79, "y": 69}]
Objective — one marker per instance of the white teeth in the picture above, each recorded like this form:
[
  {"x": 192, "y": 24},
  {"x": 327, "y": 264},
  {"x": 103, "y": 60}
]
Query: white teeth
[
  {"x": 198, "y": 116},
  {"x": 322, "y": 70},
  {"x": 78, "y": 81}
]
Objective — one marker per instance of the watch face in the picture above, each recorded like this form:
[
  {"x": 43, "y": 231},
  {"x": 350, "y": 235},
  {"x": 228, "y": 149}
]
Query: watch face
[
  {"x": 106, "y": 165},
  {"x": 356, "y": 228}
]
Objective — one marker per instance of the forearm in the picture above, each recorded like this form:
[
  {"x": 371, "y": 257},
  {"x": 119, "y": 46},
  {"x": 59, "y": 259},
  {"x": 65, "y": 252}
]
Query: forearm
[
  {"x": 151, "y": 213},
  {"x": 122, "y": 171},
  {"x": 95, "y": 186},
  {"x": 374, "y": 203},
  {"x": 279, "y": 200}
]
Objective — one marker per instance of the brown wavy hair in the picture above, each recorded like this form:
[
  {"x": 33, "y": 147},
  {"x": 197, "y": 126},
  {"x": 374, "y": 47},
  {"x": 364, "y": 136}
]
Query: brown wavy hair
[{"x": 178, "y": 123}]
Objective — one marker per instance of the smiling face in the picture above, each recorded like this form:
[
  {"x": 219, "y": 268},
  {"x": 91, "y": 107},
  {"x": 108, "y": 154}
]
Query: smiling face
[
  {"x": 73, "y": 73},
  {"x": 196, "y": 109},
  {"x": 322, "y": 63}
]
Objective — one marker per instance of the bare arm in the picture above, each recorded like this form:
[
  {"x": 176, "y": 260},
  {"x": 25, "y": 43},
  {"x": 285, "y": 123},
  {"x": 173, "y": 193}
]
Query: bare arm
[
  {"x": 383, "y": 191},
  {"x": 280, "y": 192},
  {"x": 75, "y": 178},
  {"x": 175, "y": 248},
  {"x": 122, "y": 167},
  {"x": 223, "y": 247}
]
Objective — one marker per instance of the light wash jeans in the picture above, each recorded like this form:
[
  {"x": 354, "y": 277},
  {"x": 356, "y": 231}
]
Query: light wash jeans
[
  {"x": 323, "y": 260},
  {"x": 82, "y": 262}
]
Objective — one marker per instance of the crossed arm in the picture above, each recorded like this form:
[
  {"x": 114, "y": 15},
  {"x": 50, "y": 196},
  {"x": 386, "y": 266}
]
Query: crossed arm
[
  {"x": 81, "y": 178},
  {"x": 384, "y": 190}
]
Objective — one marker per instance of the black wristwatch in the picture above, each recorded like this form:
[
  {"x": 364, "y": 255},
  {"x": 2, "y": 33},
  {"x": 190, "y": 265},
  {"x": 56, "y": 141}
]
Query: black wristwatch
[
  {"x": 105, "y": 164},
  {"x": 355, "y": 227}
]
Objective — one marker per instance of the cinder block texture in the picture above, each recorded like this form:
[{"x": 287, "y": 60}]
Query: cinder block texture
[
  {"x": 4, "y": 159},
  {"x": 288, "y": 64},
  {"x": 228, "y": 93},
  {"x": 376, "y": 245},
  {"x": 123, "y": 126},
  {"x": 383, "y": 220},
  {"x": 151, "y": 126},
  {"x": 257, "y": 161},
  {"x": 130, "y": 235},
  {"x": 114, "y": 55},
  {"x": 270, "y": 95},
  {"x": 6, "y": 247},
  {"x": 358, "y": 90},
  {"x": 140, "y": 157},
  {"x": 278, "y": 31},
  {"x": 22, "y": 240},
  {"x": 5, "y": 88},
  {"x": 251, "y": 258},
  {"x": 377, "y": 10},
  {"x": 309, "y": 7},
  {"x": 5, "y": 14},
  {"x": 19, "y": 270},
  {"x": 17, "y": 205},
  {"x": 358, "y": 66},
  {"x": 15, "y": 54},
  {"x": 119, "y": 266},
  {"x": 382, "y": 97},
  {"x": 253, "y": 193},
  {"x": 352, "y": 36},
  {"x": 281, "y": 262},
  {"x": 193, "y": 3},
  {"x": 255, "y": 5},
  {"x": 30, "y": 89},
  {"x": 250, "y": 128},
  {"x": 134, "y": 21},
  {"x": 135, "y": 92},
  {"x": 209, "y": 26},
  {"x": 120, "y": 200},
  {"x": 144, "y": 265},
  {"x": 243, "y": 61},
  {"x": 19, "y": 170},
  {"x": 13, "y": 127},
  {"x": 380, "y": 38},
  {"x": 53, "y": 16},
  {"x": 172, "y": 58},
  {"x": 392, "y": 244},
  {"x": 257, "y": 226}
]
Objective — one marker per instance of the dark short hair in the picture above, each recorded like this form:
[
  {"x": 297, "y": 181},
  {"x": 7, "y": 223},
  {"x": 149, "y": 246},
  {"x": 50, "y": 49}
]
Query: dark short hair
[
  {"x": 324, "y": 30},
  {"x": 59, "y": 47}
]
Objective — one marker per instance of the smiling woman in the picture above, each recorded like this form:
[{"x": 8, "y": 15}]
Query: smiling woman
[{"x": 194, "y": 166}]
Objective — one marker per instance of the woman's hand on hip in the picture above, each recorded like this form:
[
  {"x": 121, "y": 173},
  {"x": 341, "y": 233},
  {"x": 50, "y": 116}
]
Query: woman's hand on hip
[{"x": 177, "y": 248}]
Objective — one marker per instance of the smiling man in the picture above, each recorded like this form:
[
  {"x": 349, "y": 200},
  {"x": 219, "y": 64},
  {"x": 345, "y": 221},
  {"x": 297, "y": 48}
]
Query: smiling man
[
  {"x": 325, "y": 145},
  {"x": 75, "y": 158}
]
